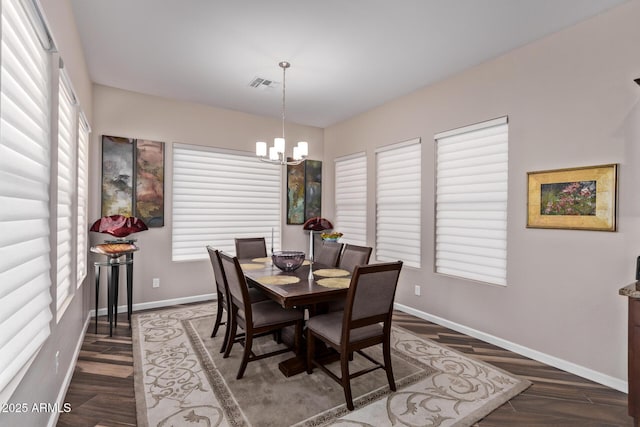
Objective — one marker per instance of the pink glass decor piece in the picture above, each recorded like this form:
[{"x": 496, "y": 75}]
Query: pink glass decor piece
[
  {"x": 317, "y": 224},
  {"x": 118, "y": 225}
]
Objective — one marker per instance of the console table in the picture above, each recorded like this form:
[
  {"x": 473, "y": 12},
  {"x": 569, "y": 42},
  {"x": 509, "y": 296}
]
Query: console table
[{"x": 633, "y": 292}]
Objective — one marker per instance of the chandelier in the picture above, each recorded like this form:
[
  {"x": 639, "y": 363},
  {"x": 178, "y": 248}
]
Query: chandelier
[{"x": 276, "y": 152}]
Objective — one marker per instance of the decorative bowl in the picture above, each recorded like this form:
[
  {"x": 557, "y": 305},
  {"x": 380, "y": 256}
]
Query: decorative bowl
[
  {"x": 288, "y": 260},
  {"x": 331, "y": 237}
]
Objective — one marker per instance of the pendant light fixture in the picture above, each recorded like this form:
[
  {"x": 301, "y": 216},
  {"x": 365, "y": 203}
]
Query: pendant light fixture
[{"x": 276, "y": 153}]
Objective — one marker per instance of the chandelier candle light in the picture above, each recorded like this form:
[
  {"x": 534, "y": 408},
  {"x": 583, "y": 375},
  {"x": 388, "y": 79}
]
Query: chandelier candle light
[{"x": 276, "y": 152}]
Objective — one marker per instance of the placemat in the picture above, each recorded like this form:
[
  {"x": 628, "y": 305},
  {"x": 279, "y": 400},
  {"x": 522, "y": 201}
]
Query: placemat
[
  {"x": 334, "y": 282},
  {"x": 331, "y": 272},
  {"x": 278, "y": 280},
  {"x": 248, "y": 267}
]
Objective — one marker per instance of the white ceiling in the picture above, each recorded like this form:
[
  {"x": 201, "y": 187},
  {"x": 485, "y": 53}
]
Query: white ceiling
[{"x": 347, "y": 56}]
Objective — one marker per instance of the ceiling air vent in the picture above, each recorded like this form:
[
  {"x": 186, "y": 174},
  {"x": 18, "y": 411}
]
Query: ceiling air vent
[{"x": 261, "y": 83}]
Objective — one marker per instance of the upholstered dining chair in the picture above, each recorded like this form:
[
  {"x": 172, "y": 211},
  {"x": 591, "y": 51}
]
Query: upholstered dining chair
[
  {"x": 328, "y": 254},
  {"x": 251, "y": 247},
  {"x": 365, "y": 322},
  {"x": 354, "y": 255},
  {"x": 223, "y": 297},
  {"x": 257, "y": 318}
]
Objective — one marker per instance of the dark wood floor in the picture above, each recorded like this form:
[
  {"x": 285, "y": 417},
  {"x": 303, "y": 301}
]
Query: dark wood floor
[{"x": 101, "y": 391}]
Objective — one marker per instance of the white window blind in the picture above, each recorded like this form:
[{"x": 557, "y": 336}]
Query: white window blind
[
  {"x": 398, "y": 168},
  {"x": 24, "y": 196},
  {"x": 219, "y": 195},
  {"x": 351, "y": 198},
  {"x": 471, "y": 202},
  {"x": 66, "y": 192},
  {"x": 82, "y": 226}
]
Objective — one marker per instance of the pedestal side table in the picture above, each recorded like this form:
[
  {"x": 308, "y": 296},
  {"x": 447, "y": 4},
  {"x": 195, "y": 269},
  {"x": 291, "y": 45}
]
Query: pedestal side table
[{"x": 114, "y": 253}]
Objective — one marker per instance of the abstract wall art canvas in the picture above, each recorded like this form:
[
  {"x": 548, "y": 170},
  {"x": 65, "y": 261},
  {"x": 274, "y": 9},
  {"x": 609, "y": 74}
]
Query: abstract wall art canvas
[
  {"x": 133, "y": 179},
  {"x": 304, "y": 191}
]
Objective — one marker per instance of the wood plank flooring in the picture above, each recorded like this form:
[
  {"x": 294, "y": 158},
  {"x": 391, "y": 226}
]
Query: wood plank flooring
[{"x": 101, "y": 391}]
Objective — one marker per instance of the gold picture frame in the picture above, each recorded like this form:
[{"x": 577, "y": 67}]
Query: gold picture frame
[{"x": 581, "y": 198}]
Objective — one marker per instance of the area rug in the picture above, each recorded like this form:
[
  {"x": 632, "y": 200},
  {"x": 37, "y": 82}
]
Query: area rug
[{"x": 181, "y": 379}]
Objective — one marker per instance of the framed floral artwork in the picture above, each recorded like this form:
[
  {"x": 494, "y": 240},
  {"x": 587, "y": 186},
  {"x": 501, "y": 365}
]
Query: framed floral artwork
[{"x": 582, "y": 198}]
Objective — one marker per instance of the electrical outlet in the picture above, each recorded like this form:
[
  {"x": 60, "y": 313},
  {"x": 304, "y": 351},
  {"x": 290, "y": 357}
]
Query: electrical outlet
[
  {"x": 417, "y": 290},
  {"x": 156, "y": 282}
]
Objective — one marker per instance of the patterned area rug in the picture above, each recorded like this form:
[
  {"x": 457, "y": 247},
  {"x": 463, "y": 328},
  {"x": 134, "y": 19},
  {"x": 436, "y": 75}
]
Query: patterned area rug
[{"x": 181, "y": 379}]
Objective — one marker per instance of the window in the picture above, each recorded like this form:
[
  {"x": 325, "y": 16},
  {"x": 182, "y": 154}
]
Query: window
[
  {"x": 66, "y": 184},
  {"x": 24, "y": 194},
  {"x": 83, "y": 188},
  {"x": 219, "y": 195},
  {"x": 351, "y": 198},
  {"x": 471, "y": 202},
  {"x": 398, "y": 202}
]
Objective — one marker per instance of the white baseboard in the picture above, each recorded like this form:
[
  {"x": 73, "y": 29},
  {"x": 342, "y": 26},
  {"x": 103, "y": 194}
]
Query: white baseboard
[
  {"x": 573, "y": 368},
  {"x": 157, "y": 304},
  {"x": 53, "y": 420}
]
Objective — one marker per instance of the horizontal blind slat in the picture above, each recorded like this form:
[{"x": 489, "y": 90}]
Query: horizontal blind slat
[
  {"x": 219, "y": 196},
  {"x": 351, "y": 199},
  {"x": 398, "y": 204},
  {"x": 471, "y": 203},
  {"x": 25, "y": 283}
]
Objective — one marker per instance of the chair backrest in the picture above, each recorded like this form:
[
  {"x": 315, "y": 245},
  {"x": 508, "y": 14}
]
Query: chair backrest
[
  {"x": 354, "y": 255},
  {"x": 371, "y": 294},
  {"x": 251, "y": 247},
  {"x": 328, "y": 254},
  {"x": 237, "y": 284},
  {"x": 218, "y": 274}
]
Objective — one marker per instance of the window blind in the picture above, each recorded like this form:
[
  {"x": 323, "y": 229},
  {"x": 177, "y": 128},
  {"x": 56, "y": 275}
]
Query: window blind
[
  {"x": 219, "y": 195},
  {"x": 351, "y": 198},
  {"x": 471, "y": 202},
  {"x": 24, "y": 195},
  {"x": 66, "y": 193},
  {"x": 398, "y": 171},
  {"x": 82, "y": 225}
]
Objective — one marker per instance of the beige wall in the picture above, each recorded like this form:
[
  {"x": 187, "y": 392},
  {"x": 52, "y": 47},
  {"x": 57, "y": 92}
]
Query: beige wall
[
  {"x": 571, "y": 101},
  {"x": 128, "y": 114}
]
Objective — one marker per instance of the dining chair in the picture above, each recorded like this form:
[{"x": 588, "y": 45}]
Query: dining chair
[
  {"x": 251, "y": 247},
  {"x": 255, "y": 295},
  {"x": 354, "y": 255},
  {"x": 256, "y": 319},
  {"x": 365, "y": 322},
  {"x": 328, "y": 254}
]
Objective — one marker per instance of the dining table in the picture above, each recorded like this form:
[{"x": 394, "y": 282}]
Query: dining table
[{"x": 309, "y": 287}]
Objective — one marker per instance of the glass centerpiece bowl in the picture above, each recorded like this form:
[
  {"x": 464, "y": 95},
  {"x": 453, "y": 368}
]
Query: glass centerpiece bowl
[{"x": 288, "y": 260}]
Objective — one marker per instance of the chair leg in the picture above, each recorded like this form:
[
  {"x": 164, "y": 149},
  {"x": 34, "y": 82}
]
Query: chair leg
[
  {"x": 227, "y": 332},
  {"x": 216, "y": 325},
  {"x": 248, "y": 341},
  {"x": 232, "y": 334},
  {"x": 346, "y": 382},
  {"x": 386, "y": 350}
]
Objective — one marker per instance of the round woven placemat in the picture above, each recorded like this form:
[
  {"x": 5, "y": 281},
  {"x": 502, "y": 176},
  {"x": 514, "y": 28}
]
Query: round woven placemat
[
  {"x": 248, "y": 267},
  {"x": 264, "y": 260},
  {"x": 334, "y": 282},
  {"x": 278, "y": 280},
  {"x": 331, "y": 272}
]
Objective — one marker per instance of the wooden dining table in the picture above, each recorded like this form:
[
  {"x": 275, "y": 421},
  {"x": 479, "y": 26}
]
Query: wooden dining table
[{"x": 307, "y": 292}]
